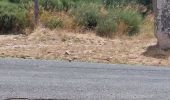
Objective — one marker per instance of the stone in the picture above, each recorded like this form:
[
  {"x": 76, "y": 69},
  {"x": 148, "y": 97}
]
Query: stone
[{"x": 162, "y": 22}]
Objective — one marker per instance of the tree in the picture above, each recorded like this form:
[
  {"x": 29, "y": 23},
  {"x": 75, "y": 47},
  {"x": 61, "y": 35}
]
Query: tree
[
  {"x": 36, "y": 11},
  {"x": 162, "y": 19}
]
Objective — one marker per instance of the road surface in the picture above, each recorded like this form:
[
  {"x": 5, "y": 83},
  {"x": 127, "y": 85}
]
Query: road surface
[{"x": 54, "y": 80}]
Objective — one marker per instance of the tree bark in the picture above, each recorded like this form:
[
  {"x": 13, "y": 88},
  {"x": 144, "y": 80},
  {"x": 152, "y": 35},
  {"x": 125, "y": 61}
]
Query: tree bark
[
  {"x": 162, "y": 22},
  {"x": 36, "y": 11}
]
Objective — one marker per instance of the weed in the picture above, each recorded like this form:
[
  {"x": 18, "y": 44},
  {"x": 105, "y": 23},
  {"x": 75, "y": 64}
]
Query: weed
[
  {"x": 12, "y": 18},
  {"x": 87, "y": 15},
  {"x": 106, "y": 26},
  {"x": 132, "y": 19}
]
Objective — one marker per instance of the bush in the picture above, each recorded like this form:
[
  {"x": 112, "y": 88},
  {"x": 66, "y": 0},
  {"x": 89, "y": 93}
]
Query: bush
[
  {"x": 51, "y": 4},
  {"x": 145, "y": 2},
  {"x": 51, "y": 21},
  {"x": 119, "y": 21},
  {"x": 12, "y": 18},
  {"x": 19, "y": 1},
  {"x": 57, "y": 5},
  {"x": 98, "y": 15},
  {"x": 87, "y": 15},
  {"x": 148, "y": 5},
  {"x": 132, "y": 19},
  {"x": 23, "y": 3},
  {"x": 106, "y": 26},
  {"x": 67, "y": 4},
  {"x": 118, "y": 2}
]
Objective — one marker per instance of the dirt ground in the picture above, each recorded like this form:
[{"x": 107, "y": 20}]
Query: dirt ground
[{"x": 64, "y": 45}]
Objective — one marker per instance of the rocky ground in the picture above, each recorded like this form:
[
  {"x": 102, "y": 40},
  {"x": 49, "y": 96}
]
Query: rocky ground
[{"x": 64, "y": 45}]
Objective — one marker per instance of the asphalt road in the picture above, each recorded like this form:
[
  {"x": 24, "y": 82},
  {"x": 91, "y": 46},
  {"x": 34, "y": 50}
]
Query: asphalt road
[{"x": 81, "y": 81}]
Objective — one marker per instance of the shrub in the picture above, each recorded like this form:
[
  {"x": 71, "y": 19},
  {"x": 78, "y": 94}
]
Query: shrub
[
  {"x": 20, "y": 1},
  {"x": 106, "y": 26},
  {"x": 132, "y": 19},
  {"x": 51, "y": 4},
  {"x": 145, "y": 2},
  {"x": 67, "y": 4},
  {"x": 57, "y": 5},
  {"x": 23, "y": 3},
  {"x": 87, "y": 15},
  {"x": 117, "y": 2},
  {"x": 51, "y": 21},
  {"x": 119, "y": 21},
  {"x": 15, "y": 1},
  {"x": 12, "y": 18},
  {"x": 148, "y": 5}
]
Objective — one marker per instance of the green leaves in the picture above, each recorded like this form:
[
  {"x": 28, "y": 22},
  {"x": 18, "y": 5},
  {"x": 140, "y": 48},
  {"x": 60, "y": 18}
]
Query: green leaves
[{"x": 12, "y": 18}]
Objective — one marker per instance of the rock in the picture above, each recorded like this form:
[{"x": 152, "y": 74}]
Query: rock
[
  {"x": 162, "y": 21},
  {"x": 67, "y": 53},
  {"x": 133, "y": 56}
]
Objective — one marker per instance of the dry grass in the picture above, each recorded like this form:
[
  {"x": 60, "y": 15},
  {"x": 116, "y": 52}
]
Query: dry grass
[
  {"x": 147, "y": 28},
  {"x": 67, "y": 20},
  {"x": 60, "y": 44},
  {"x": 65, "y": 45}
]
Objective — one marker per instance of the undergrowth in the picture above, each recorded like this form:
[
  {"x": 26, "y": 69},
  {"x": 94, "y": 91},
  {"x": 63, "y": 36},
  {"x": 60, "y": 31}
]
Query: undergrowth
[{"x": 106, "y": 17}]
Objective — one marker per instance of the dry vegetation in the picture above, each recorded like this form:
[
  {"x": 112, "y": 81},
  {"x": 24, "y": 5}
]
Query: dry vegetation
[
  {"x": 66, "y": 45},
  {"x": 126, "y": 32}
]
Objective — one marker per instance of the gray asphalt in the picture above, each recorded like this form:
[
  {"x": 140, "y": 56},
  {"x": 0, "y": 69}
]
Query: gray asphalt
[{"x": 41, "y": 79}]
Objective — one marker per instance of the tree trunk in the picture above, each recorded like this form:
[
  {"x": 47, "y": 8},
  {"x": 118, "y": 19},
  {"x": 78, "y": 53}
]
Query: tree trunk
[
  {"x": 36, "y": 11},
  {"x": 162, "y": 22}
]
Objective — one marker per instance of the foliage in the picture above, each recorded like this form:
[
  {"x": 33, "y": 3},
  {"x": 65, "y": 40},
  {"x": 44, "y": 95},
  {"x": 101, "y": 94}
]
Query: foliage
[
  {"x": 103, "y": 16},
  {"x": 145, "y": 2},
  {"x": 87, "y": 15},
  {"x": 106, "y": 26},
  {"x": 12, "y": 18},
  {"x": 132, "y": 19},
  {"x": 57, "y": 5},
  {"x": 126, "y": 2},
  {"x": 51, "y": 21},
  {"x": 117, "y": 2},
  {"x": 27, "y": 4},
  {"x": 19, "y": 1}
]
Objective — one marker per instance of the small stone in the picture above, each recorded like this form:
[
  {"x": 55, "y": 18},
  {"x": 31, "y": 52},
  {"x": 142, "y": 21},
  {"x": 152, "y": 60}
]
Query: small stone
[
  {"x": 67, "y": 53},
  {"x": 133, "y": 56}
]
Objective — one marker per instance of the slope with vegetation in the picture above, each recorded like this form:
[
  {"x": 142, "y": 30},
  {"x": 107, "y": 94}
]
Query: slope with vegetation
[
  {"x": 105, "y": 17},
  {"x": 128, "y": 22}
]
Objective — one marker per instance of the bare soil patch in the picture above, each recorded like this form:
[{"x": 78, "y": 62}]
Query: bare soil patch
[{"x": 64, "y": 45}]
